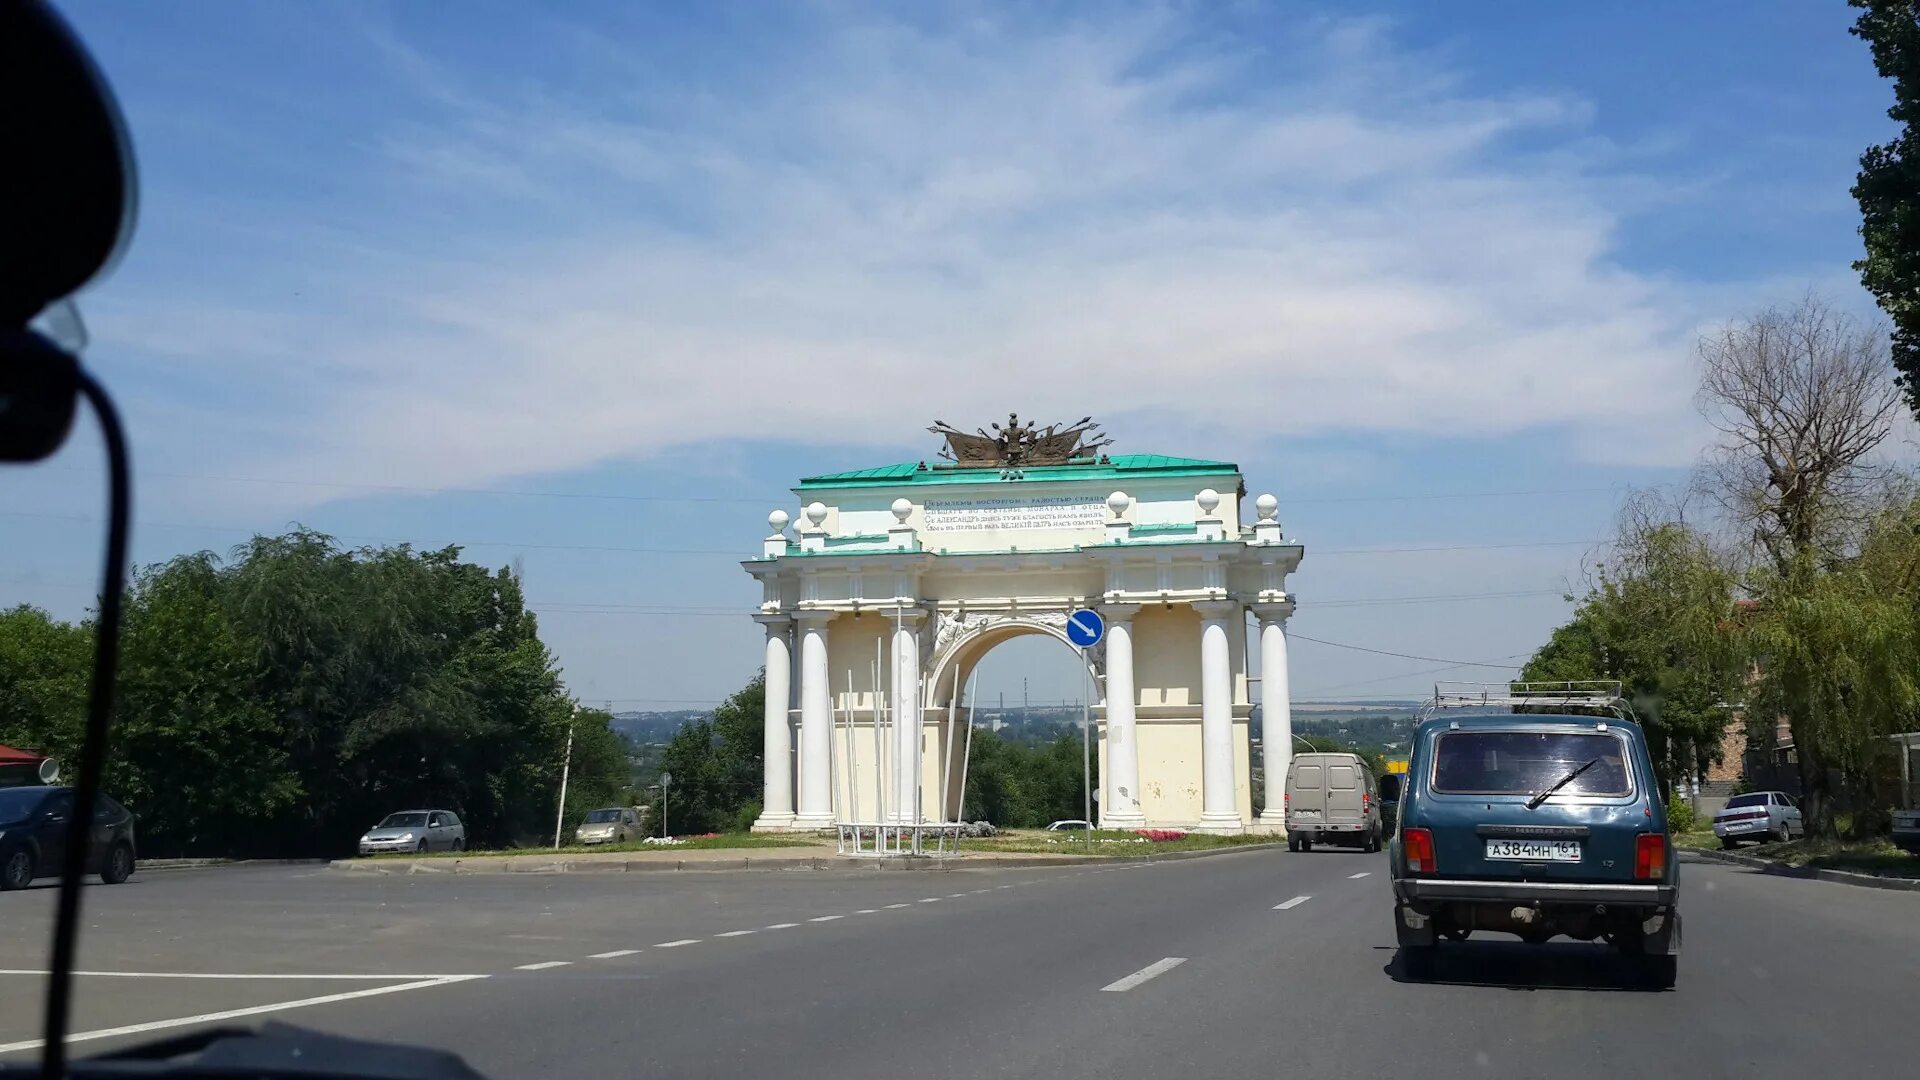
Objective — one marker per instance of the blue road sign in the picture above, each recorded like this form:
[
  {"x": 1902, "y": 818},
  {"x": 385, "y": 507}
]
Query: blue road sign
[{"x": 1085, "y": 627}]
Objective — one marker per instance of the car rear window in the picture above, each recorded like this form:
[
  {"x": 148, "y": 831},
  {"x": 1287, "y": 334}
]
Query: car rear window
[
  {"x": 1528, "y": 762},
  {"x": 1746, "y": 800}
]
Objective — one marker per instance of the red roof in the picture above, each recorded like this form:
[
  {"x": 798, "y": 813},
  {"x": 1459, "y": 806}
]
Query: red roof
[{"x": 10, "y": 756}]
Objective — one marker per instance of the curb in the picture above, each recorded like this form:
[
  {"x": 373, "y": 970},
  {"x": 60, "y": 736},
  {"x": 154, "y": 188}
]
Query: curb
[
  {"x": 1776, "y": 869},
  {"x": 832, "y": 864},
  {"x": 202, "y": 864}
]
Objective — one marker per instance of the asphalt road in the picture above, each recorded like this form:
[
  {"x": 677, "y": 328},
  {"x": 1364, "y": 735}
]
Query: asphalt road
[{"x": 1210, "y": 967}]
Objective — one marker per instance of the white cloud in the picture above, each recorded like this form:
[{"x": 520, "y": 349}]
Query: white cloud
[{"x": 1321, "y": 235}]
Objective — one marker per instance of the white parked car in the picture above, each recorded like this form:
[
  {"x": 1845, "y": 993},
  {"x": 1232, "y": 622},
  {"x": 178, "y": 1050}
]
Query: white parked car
[
  {"x": 1068, "y": 826},
  {"x": 1757, "y": 815}
]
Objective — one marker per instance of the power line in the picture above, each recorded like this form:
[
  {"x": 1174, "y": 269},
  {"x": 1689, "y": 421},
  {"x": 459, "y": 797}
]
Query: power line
[
  {"x": 732, "y": 553},
  {"x": 1404, "y": 656},
  {"x": 428, "y": 490},
  {"x": 781, "y": 500},
  {"x": 1406, "y": 675}
]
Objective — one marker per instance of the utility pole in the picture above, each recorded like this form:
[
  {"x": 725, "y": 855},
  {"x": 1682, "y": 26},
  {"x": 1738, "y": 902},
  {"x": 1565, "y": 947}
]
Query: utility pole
[{"x": 566, "y": 766}]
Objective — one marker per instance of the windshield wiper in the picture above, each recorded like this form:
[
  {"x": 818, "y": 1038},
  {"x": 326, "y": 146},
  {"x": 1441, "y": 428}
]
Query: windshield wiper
[{"x": 1560, "y": 783}]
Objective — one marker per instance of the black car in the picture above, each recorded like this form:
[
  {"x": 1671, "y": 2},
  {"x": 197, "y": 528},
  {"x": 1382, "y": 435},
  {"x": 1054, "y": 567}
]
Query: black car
[{"x": 33, "y": 833}]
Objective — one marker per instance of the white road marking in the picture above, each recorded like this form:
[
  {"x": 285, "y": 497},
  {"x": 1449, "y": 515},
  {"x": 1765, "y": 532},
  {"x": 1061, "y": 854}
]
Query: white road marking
[
  {"x": 234, "y": 1014},
  {"x": 543, "y": 965},
  {"x": 868, "y": 911},
  {"x": 1293, "y": 903},
  {"x": 1158, "y": 967},
  {"x": 1003, "y": 886},
  {"x": 234, "y": 975},
  {"x": 977, "y": 892},
  {"x": 735, "y": 933},
  {"x": 830, "y": 918},
  {"x": 890, "y": 906},
  {"x": 677, "y": 944},
  {"x": 615, "y": 954},
  {"x": 781, "y": 926},
  {"x": 1358, "y": 876},
  {"x": 931, "y": 900},
  {"x": 955, "y": 895}
]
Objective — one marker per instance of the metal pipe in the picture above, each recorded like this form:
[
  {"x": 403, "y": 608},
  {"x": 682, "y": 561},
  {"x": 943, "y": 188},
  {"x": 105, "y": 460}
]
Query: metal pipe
[
  {"x": 566, "y": 766},
  {"x": 882, "y": 737},
  {"x": 966, "y": 754},
  {"x": 1086, "y": 752},
  {"x": 946, "y": 743},
  {"x": 853, "y": 774}
]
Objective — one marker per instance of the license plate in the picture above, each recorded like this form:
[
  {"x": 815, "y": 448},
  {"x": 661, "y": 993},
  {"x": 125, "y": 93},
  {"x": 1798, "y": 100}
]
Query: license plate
[{"x": 1534, "y": 850}]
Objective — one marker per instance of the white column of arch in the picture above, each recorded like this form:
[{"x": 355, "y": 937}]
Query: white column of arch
[
  {"x": 816, "y": 724},
  {"x": 1120, "y": 799},
  {"x": 1217, "y": 813},
  {"x": 1276, "y": 711},
  {"x": 909, "y": 729},
  {"x": 776, "y": 798}
]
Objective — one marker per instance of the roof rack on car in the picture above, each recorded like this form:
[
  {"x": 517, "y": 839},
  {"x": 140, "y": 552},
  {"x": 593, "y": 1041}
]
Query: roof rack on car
[{"x": 1597, "y": 695}]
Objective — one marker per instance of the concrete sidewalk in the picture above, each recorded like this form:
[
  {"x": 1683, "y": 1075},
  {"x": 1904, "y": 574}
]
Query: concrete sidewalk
[{"x": 763, "y": 859}]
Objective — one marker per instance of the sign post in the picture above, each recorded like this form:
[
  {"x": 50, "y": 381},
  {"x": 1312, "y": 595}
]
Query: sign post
[{"x": 1085, "y": 628}]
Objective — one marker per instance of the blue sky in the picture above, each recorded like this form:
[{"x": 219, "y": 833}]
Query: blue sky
[{"x": 531, "y": 279}]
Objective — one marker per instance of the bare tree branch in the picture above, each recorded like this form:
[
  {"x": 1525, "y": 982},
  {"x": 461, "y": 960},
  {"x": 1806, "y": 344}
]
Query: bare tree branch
[{"x": 1801, "y": 397}]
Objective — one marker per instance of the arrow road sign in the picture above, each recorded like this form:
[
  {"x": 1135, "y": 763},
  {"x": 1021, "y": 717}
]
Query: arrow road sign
[{"x": 1085, "y": 627}]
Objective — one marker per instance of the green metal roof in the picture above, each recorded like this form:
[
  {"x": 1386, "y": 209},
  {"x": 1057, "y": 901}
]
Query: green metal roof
[{"x": 1114, "y": 467}]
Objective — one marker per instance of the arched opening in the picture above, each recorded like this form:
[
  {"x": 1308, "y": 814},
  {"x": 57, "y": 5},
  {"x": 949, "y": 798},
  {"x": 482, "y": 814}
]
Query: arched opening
[{"x": 1007, "y": 702}]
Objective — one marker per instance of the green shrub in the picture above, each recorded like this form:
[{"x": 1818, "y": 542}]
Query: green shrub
[
  {"x": 1680, "y": 816},
  {"x": 744, "y": 817}
]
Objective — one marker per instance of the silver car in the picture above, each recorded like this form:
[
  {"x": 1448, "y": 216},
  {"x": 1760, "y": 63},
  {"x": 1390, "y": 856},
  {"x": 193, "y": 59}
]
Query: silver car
[
  {"x": 609, "y": 825},
  {"x": 416, "y": 831},
  {"x": 1757, "y": 815}
]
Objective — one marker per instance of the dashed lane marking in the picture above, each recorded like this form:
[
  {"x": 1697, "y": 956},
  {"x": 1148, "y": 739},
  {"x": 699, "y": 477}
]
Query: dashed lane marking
[
  {"x": 1358, "y": 876},
  {"x": 826, "y": 918},
  {"x": 614, "y": 955},
  {"x": 1293, "y": 903},
  {"x": 735, "y": 933},
  {"x": 677, "y": 944},
  {"x": 1157, "y": 968},
  {"x": 931, "y": 900},
  {"x": 867, "y": 911},
  {"x": 892, "y": 906},
  {"x": 543, "y": 965},
  {"x": 781, "y": 926}
]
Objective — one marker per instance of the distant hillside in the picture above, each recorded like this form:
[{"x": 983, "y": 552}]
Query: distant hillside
[{"x": 653, "y": 727}]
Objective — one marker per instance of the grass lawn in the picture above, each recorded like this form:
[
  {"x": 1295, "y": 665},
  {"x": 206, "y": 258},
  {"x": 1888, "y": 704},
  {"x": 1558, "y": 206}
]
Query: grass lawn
[
  {"x": 1878, "y": 856},
  {"x": 1113, "y": 843},
  {"x": 722, "y": 841}
]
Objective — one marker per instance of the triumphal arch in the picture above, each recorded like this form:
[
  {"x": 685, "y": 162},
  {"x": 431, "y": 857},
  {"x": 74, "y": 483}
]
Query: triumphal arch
[{"x": 895, "y": 581}]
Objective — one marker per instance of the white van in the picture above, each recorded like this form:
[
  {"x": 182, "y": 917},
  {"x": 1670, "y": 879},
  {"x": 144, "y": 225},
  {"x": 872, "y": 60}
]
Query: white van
[{"x": 1332, "y": 799}]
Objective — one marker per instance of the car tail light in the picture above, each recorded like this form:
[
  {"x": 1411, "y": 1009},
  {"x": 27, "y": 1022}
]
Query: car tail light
[
  {"x": 1418, "y": 844},
  {"x": 1286, "y": 802},
  {"x": 1650, "y": 856},
  {"x": 1366, "y": 804}
]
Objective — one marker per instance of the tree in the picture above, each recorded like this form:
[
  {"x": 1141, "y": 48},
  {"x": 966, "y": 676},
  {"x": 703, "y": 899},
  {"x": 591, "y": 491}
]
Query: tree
[
  {"x": 1021, "y": 785},
  {"x": 193, "y": 748},
  {"x": 1655, "y": 619},
  {"x": 44, "y": 667},
  {"x": 282, "y": 699},
  {"x": 1888, "y": 186},
  {"x": 1802, "y": 399},
  {"x": 716, "y": 764}
]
